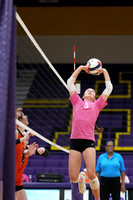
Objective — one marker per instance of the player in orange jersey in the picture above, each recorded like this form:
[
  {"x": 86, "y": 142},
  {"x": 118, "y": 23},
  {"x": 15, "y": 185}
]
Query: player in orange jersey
[{"x": 23, "y": 151}]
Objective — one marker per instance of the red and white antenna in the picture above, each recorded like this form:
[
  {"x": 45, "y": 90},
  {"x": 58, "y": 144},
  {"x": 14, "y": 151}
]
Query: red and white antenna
[
  {"x": 74, "y": 57},
  {"x": 78, "y": 86}
]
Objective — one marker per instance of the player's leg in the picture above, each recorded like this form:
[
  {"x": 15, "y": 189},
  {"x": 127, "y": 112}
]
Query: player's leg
[
  {"x": 21, "y": 195},
  {"x": 75, "y": 159},
  {"x": 90, "y": 160}
]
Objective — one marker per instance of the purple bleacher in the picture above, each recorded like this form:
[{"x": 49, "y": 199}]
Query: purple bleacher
[
  {"x": 55, "y": 163},
  {"x": 38, "y": 170},
  {"x": 126, "y": 142},
  {"x": 127, "y": 136},
  {"x": 129, "y": 171},
  {"x": 127, "y": 157},
  {"x": 53, "y": 155},
  {"x": 64, "y": 142},
  {"x": 58, "y": 170},
  {"x": 129, "y": 164},
  {"x": 36, "y": 163},
  {"x": 66, "y": 179},
  {"x": 58, "y": 156},
  {"x": 131, "y": 179},
  {"x": 128, "y": 161},
  {"x": 48, "y": 163},
  {"x": 29, "y": 170},
  {"x": 67, "y": 136},
  {"x": 110, "y": 123},
  {"x": 34, "y": 178}
]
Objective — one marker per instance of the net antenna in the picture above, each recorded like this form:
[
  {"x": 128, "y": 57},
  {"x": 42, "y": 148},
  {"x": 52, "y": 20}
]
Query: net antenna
[
  {"x": 74, "y": 57},
  {"x": 55, "y": 72}
]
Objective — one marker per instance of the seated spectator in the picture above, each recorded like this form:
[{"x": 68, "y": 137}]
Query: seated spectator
[
  {"x": 127, "y": 180},
  {"x": 25, "y": 178}
]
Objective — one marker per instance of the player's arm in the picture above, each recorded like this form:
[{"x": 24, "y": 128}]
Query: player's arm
[
  {"x": 31, "y": 150},
  {"x": 108, "y": 84},
  {"x": 41, "y": 151},
  {"x": 72, "y": 79},
  {"x": 23, "y": 139},
  {"x": 16, "y": 134},
  {"x": 123, "y": 189}
]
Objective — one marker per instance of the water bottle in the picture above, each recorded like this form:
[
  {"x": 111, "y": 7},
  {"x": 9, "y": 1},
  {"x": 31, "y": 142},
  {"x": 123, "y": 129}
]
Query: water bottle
[
  {"x": 30, "y": 178},
  {"x": 122, "y": 195},
  {"x": 110, "y": 197}
]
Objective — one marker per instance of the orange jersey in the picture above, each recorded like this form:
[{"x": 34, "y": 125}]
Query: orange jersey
[{"x": 21, "y": 161}]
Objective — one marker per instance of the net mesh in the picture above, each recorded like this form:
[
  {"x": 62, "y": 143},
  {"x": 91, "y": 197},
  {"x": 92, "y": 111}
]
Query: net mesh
[{"x": 41, "y": 94}]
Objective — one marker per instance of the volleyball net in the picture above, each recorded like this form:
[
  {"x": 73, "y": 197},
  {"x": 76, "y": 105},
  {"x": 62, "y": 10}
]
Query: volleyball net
[{"x": 42, "y": 93}]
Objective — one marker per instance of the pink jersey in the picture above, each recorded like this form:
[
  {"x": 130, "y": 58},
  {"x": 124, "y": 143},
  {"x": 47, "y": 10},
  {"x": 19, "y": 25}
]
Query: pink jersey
[{"x": 85, "y": 114}]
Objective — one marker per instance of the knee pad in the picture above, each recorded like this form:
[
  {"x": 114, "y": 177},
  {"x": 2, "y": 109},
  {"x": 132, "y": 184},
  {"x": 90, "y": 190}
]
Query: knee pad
[{"x": 94, "y": 184}]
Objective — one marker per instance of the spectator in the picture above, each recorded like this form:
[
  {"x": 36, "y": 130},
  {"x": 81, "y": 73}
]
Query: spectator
[
  {"x": 25, "y": 178},
  {"x": 127, "y": 180}
]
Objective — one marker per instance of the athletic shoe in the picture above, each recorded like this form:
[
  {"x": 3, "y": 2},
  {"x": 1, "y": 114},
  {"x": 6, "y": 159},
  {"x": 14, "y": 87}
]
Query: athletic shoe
[{"x": 81, "y": 182}]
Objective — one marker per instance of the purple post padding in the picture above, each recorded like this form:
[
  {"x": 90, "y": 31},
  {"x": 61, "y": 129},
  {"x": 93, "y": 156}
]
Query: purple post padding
[
  {"x": 76, "y": 195},
  {"x": 7, "y": 97}
]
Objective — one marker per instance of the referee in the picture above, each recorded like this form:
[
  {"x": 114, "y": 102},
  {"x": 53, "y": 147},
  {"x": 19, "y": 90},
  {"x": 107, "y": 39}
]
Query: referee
[{"x": 110, "y": 166}]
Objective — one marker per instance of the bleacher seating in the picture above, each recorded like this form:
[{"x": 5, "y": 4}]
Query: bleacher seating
[{"x": 55, "y": 163}]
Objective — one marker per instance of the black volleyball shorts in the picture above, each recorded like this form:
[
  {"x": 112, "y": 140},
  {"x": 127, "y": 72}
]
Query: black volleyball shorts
[{"x": 81, "y": 144}]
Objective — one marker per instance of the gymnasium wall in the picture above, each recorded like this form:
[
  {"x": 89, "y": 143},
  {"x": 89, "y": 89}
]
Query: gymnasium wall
[{"x": 103, "y": 32}]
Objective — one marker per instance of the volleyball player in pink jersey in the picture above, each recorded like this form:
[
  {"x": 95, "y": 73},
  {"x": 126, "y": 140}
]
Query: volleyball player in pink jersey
[{"x": 82, "y": 140}]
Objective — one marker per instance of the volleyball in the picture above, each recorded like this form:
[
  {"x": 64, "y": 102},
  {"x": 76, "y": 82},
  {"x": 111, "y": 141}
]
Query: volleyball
[{"x": 93, "y": 64}]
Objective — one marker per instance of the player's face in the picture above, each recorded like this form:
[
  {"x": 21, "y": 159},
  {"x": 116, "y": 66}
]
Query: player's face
[
  {"x": 89, "y": 94},
  {"x": 110, "y": 147},
  {"x": 24, "y": 119}
]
